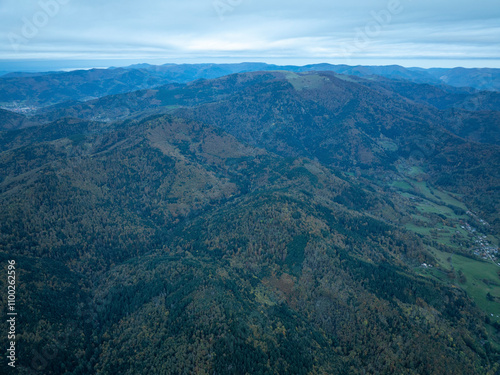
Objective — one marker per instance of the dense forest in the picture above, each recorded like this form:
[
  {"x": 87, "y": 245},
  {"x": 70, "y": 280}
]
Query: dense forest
[{"x": 251, "y": 224}]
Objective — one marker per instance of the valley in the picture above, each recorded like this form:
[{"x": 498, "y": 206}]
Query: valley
[
  {"x": 463, "y": 255},
  {"x": 302, "y": 222}
]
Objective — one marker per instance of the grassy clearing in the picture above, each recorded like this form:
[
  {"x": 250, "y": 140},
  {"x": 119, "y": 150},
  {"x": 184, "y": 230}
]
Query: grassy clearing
[
  {"x": 402, "y": 185},
  {"x": 444, "y": 236},
  {"x": 437, "y": 221},
  {"x": 481, "y": 278},
  {"x": 415, "y": 171},
  {"x": 433, "y": 208},
  {"x": 302, "y": 82},
  {"x": 387, "y": 145},
  {"x": 428, "y": 207},
  {"x": 432, "y": 201},
  {"x": 421, "y": 218},
  {"x": 439, "y": 197},
  {"x": 444, "y": 259},
  {"x": 448, "y": 199},
  {"x": 417, "y": 229},
  {"x": 493, "y": 240},
  {"x": 423, "y": 188},
  {"x": 441, "y": 233}
]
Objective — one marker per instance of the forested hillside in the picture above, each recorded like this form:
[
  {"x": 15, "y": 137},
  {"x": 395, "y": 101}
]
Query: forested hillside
[
  {"x": 38, "y": 90},
  {"x": 257, "y": 223}
]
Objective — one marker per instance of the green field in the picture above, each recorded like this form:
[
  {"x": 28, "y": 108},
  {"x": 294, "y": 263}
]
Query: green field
[
  {"x": 435, "y": 220},
  {"x": 402, "y": 185},
  {"x": 387, "y": 144},
  {"x": 417, "y": 229},
  {"x": 415, "y": 171},
  {"x": 481, "y": 278}
]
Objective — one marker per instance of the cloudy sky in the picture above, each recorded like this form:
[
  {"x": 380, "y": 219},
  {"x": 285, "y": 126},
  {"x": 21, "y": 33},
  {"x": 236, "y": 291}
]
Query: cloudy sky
[{"x": 425, "y": 33}]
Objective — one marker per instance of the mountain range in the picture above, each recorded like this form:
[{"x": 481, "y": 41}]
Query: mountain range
[
  {"x": 49, "y": 88},
  {"x": 253, "y": 219}
]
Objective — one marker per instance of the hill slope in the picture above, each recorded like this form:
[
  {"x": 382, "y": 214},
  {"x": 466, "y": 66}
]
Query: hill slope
[
  {"x": 272, "y": 222},
  {"x": 45, "y": 89}
]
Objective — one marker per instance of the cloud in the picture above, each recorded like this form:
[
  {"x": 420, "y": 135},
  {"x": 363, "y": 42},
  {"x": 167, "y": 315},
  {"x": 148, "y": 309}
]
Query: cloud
[{"x": 242, "y": 29}]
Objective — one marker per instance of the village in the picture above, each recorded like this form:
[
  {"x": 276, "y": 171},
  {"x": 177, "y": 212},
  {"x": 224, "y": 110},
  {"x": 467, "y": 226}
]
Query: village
[
  {"x": 482, "y": 247},
  {"x": 24, "y": 110}
]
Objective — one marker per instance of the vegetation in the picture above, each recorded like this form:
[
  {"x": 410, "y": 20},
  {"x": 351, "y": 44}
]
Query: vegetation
[{"x": 271, "y": 223}]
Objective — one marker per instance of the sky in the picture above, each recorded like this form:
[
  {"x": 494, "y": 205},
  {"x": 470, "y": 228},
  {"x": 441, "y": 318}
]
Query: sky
[{"x": 66, "y": 34}]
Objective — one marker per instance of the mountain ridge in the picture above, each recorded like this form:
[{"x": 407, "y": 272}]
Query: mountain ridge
[{"x": 43, "y": 89}]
